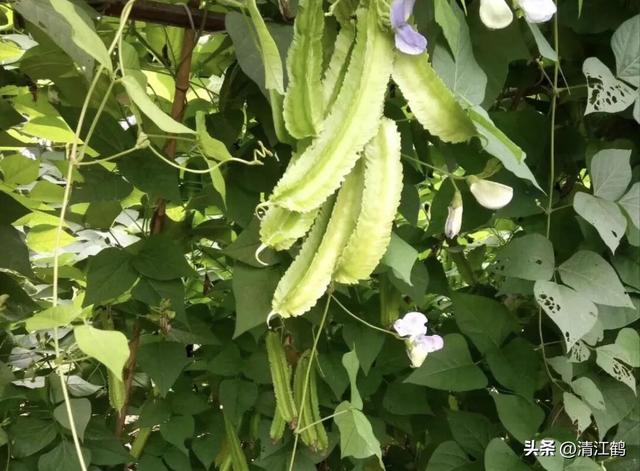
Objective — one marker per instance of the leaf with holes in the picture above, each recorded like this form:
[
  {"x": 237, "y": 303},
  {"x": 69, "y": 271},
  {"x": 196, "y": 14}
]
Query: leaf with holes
[
  {"x": 572, "y": 313},
  {"x": 606, "y": 93},
  {"x": 529, "y": 257},
  {"x": 593, "y": 277},
  {"x": 577, "y": 411},
  {"x": 604, "y": 215}
]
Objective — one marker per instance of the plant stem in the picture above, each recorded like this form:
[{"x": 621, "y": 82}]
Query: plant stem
[
  {"x": 324, "y": 419},
  {"x": 374, "y": 327},
  {"x": 312, "y": 355}
]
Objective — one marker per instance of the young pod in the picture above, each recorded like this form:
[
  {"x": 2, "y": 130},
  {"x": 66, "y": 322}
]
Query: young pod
[
  {"x": 303, "y": 105},
  {"x": 349, "y": 125},
  {"x": 278, "y": 425},
  {"x": 380, "y": 200},
  {"x": 313, "y": 433},
  {"x": 431, "y": 102},
  {"x": 308, "y": 277},
  {"x": 117, "y": 391},
  {"x": 281, "y": 377},
  {"x": 238, "y": 459}
]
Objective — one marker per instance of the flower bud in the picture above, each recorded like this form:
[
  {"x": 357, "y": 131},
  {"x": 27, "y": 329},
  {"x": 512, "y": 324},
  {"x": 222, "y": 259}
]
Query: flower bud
[
  {"x": 454, "y": 219},
  {"x": 491, "y": 195},
  {"x": 495, "y": 14},
  {"x": 538, "y": 11}
]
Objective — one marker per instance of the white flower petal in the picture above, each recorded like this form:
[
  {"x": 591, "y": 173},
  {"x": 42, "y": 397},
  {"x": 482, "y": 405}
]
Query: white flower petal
[
  {"x": 411, "y": 325},
  {"x": 495, "y": 14},
  {"x": 538, "y": 11},
  {"x": 454, "y": 218},
  {"x": 491, "y": 195}
]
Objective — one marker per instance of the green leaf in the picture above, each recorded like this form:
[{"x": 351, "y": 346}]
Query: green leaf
[
  {"x": 237, "y": 396},
  {"x": 212, "y": 148},
  {"x": 138, "y": 95},
  {"x": 583, "y": 464},
  {"x": 81, "y": 411},
  {"x": 19, "y": 170},
  {"x": 177, "y": 430},
  {"x": 351, "y": 364},
  {"x": 604, "y": 215},
  {"x": 83, "y": 32},
  {"x": 463, "y": 75},
  {"x": 366, "y": 341},
  {"x": 62, "y": 457},
  {"x": 496, "y": 143},
  {"x": 544, "y": 47},
  {"x": 400, "y": 257},
  {"x": 11, "y": 209},
  {"x": 163, "y": 362},
  {"x": 578, "y": 411},
  {"x": 529, "y": 257},
  {"x": 58, "y": 316},
  {"x": 625, "y": 43},
  {"x": 471, "y": 431},
  {"x": 160, "y": 258},
  {"x": 151, "y": 175},
  {"x": 591, "y": 275},
  {"x": 15, "y": 255},
  {"x": 107, "y": 346},
  {"x": 450, "y": 369},
  {"x": 574, "y": 315},
  {"x": 356, "y": 435},
  {"x": 109, "y": 275},
  {"x": 70, "y": 27},
  {"x": 43, "y": 237},
  {"x": 406, "y": 399},
  {"x": 610, "y": 173},
  {"x": 448, "y": 457},
  {"x": 253, "y": 290},
  {"x": 29, "y": 435},
  {"x": 485, "y": 321},
  {"x": 500, "y": 457},
  {"x": 589, "y": 392},
  {"x": 619, "y": 400},
  {"x": 631, "y": 204},
  {"x": 516, "y": 366},
  {"x": 273, "y": 70},
  {"x": 521, "y": 417}
]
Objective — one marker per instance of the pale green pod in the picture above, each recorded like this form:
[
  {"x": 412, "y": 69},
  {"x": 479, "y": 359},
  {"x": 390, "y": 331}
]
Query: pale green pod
[
  {"x": 278, "y": 426},
  {"x": 280, "y": 228},
  {"x": 431, "y": 102},
  {"x": 343, "y": 10},
  {"x": 380, "y": 200},
  {"x": 337, "y": 68},
  {"x": 303, "y": 105},
  {"x": 305, "y": 418},
  {"x": 309, "y": 275},
  {"x": 281, "y": 377},
  {"x": 350, "y": 124}
]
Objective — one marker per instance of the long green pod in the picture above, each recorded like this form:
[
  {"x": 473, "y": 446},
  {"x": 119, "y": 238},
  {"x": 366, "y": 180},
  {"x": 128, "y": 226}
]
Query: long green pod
[
  {"x": 350, "y": 124},
  {"x": 238, "y": 458},
  {"x": 322, "y": 440},
  {"x": 281, "y": 377},
  {"x": 309, "y": 275},
  {"x": 278, "y": 425},
  {"x": 337, "y": 68},
  {"x": 431, "y": 102},
  {"x": 303, "y": 105},
  {"x": 308, "y": 434},
  {"x": 280, "y": 228},
  {"x": 380, "y": 200}
]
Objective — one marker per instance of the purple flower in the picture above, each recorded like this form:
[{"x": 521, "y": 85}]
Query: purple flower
[{"x": 408, "y": 40}]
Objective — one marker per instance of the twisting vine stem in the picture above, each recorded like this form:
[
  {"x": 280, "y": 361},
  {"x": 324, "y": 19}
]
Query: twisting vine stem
[{"x": 552, "y": 177}]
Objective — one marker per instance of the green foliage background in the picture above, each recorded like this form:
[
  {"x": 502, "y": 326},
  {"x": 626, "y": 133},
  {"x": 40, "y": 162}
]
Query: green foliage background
[{"x": 81, "y": 166}]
